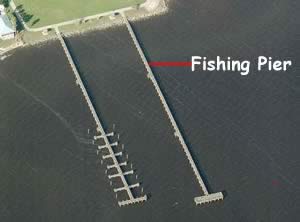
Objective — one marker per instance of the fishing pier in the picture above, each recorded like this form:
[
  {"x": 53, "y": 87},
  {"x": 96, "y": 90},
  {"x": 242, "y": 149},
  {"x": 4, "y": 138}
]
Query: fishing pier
[{"x": 207, "y": 197}]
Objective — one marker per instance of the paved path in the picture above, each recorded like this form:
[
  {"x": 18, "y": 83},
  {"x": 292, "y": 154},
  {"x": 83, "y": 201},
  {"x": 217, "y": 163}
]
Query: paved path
[{"x": 71, "y": 22}]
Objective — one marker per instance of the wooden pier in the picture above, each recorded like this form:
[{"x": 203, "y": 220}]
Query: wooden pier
[
  {"x": 198, "y": 200},
  {"x": 104, "y": 136}
]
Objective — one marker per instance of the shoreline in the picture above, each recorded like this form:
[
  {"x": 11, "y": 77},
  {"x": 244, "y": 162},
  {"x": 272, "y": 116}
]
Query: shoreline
[{"x": 147, "y": 10}]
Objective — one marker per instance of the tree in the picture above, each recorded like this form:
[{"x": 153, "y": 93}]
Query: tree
[{"x": 5, "y": 3}]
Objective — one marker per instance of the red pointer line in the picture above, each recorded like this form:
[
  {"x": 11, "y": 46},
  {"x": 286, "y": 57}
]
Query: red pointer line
[{"x": 170, "y": 64}]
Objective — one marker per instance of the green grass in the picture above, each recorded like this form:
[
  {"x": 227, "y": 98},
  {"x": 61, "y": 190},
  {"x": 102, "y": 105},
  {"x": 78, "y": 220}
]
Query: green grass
[
  {"x": 38, "y": 13},
  {"x": 6, "y": 43}
]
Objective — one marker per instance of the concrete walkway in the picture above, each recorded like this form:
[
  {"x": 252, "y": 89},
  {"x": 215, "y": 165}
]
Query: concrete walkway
[{"x": 70, "y": 22}]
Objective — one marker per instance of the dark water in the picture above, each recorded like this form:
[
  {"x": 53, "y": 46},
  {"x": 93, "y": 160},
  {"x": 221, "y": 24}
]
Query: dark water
[{"x": 243, "y": 131}]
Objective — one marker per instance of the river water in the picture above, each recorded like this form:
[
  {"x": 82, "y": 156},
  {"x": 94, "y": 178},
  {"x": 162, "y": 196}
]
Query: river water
[{"x": 242, "y": 130}]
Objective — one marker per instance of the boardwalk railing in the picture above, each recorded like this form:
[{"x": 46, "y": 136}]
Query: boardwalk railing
[
  {"x": 198, "y": 200},
  {"x": 103, "y": 135}
]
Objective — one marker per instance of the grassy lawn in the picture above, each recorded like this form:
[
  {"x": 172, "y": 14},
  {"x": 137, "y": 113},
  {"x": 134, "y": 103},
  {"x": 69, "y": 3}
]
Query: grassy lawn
[
  {"x": 6, "y": 43},
  {"x": 38, "y": 13}
]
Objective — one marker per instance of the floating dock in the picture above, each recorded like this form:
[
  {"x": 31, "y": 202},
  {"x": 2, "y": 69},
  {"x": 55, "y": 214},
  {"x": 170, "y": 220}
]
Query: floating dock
[
  {"x": 103, "y": 135},
  {"x": 198, "y": 200}
]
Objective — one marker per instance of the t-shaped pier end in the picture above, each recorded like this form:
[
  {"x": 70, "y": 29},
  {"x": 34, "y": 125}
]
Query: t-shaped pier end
[{"x": 209, "y": 198}]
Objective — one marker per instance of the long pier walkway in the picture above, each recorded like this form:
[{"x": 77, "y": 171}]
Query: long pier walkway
[
  {"x": 103, "y": 135},
  {"x": 198, "y": 200}
]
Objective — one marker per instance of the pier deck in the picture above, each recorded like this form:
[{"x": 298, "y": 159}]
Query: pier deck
[
  {"x": 198, "y": 200},
  {"x": 103, "y": 135}
]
